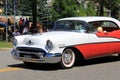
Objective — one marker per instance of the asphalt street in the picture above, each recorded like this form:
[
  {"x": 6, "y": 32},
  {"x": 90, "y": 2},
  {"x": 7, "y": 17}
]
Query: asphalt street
[{"x": 106, "y": 68}]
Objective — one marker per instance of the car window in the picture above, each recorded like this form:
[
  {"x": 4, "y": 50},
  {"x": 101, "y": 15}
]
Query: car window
[
  {"x": 105, "y": 25},
  {"x": 109, "y": 24},
  {"x": 70, "y": 25}
]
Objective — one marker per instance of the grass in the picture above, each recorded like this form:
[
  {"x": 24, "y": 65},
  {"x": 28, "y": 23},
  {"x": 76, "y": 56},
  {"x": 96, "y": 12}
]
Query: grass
[{"x": 4, "y": 44}]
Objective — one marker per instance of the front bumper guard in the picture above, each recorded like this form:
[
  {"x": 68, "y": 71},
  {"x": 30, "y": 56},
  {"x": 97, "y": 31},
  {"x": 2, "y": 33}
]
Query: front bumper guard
[{"x": 47, "y": 58}]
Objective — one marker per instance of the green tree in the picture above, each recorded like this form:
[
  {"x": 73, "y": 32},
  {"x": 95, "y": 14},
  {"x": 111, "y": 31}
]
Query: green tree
[
  {"x": 42, "y": 10},
  {"x": 25, "y": 7},
  {"x": 81, "y": 11},
  {"x": 64, "y": 8},
  {"x": 22, "y": 7},
  {"x": 10, "y": 7},
  {"x": 112, "y": 5},
  {"x": 90, "y": 11},
  {"x": 71, "y": 8}
]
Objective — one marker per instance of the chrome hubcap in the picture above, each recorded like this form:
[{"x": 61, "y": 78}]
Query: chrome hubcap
[{"x": 67, "y": 57}]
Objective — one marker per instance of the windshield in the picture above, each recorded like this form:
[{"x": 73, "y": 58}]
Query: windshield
[{"x": 70, "y": 25}]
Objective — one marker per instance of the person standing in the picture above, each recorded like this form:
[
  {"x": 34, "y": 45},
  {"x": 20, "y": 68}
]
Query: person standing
[
  {"x": 39, "y": 28},
  {"x": 16, "y": 33},
  {"x": 27, "y": 22},
  {"x": 26, "y": 26},
  {"x": 20, "y": 25},
  {"x": 9, "y": 25}
]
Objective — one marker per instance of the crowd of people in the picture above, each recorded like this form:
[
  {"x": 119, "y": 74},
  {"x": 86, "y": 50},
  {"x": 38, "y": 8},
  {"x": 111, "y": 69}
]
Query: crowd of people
[{"x": 23, "y": 27}]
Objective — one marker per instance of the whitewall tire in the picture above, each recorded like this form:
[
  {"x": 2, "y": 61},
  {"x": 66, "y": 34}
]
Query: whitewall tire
[{"x": 68, "y": 58}]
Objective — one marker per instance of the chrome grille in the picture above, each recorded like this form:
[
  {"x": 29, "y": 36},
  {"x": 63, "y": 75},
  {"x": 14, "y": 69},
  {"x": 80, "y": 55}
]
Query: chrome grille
[
  {"x": 33, "y": 52},
  {"x": 29, "y": 49}
]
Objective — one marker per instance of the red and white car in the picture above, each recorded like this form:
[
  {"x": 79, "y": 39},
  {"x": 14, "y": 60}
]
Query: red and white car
[{"x": 71, "y": 39}]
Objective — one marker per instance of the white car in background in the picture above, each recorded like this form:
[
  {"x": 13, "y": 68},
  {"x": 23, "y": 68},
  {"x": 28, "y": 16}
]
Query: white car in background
[{"x": 70, "y": 40}]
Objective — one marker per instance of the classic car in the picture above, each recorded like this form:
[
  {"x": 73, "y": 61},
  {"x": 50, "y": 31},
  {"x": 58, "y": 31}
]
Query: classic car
[{"x": 71, "y": 39}]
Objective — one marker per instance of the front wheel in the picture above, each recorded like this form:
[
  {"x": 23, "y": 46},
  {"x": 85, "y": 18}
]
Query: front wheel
[{"x": 68, "y": 58}]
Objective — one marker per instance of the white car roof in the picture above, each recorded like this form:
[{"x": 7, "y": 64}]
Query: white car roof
[{"x": 93, "y": 18}]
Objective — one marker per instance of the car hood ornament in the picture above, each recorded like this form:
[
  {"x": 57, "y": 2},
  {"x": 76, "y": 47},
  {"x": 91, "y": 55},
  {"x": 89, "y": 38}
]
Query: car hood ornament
[{"x": 29, "y": 42}]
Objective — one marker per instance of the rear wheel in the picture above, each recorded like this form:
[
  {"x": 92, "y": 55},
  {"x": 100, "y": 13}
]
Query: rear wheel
[{"x": 68, "y": 58}]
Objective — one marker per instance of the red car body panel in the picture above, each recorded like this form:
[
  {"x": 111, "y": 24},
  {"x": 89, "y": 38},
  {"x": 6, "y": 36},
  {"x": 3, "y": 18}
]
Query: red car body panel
[
  {"x": 114, "y": 34},
  {"x": 91, "y": 50}
]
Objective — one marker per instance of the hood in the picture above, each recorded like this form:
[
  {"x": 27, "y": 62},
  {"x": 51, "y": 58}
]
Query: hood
[
  {"x": 53, "y": 35},
  {"x": 57, "y": 37}
]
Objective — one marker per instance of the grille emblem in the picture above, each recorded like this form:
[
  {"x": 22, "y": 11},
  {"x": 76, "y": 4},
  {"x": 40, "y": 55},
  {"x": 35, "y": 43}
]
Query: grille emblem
[{"x": 29, "y": 42}]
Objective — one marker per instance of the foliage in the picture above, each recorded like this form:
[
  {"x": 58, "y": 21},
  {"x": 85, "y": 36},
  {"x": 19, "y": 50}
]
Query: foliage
[
  {"x": 71, "y": 8},
  {"x": 22, "y": 7},
  {"x": 10, "y": 7},
  {"x": 42, "y": 10},
  {"x": 90, "y": 10},
  {"x": 25, "y": 7},
  {"x": 82, "y": 11},
  {"x": 112, "y": 5},
  {"x": 64, "y": 8}
]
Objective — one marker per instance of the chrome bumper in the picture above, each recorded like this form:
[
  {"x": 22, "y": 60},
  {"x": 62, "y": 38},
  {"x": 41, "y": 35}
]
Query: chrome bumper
[{"x": 41, "y": 58}]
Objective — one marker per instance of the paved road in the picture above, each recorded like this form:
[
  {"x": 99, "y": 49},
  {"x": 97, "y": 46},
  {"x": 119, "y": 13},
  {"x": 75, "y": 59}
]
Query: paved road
[{"x": 107, "y": 68}]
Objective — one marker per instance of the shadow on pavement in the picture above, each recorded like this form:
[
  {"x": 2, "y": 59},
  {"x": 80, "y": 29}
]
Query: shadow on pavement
[
  {"x": 100, "y": 60},
  {"x": 44, "y": 67},
  {"x": 53, "y": 67}
]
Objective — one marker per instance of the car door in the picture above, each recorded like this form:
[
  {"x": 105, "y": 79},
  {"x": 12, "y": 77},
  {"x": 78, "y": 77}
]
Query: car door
[
  {"x": 99, "y": 46},
  {"x": 115, "y": 43},
  {"x": 108, "y": 41},
  {"x": 113, "y": 33},
  {"x": 99, "y": 43}
]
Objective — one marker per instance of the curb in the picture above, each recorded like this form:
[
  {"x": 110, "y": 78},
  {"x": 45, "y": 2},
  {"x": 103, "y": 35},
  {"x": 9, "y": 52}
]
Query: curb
[{"x": 3, "y": 49}]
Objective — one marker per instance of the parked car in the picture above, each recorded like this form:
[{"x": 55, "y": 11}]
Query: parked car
[{"x": 71, "y": 39}]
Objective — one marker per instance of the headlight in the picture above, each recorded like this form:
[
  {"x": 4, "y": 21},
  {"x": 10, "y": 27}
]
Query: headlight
[
  {"x": 49, "y": 45},
  {"x": 14, "y": 41}
]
